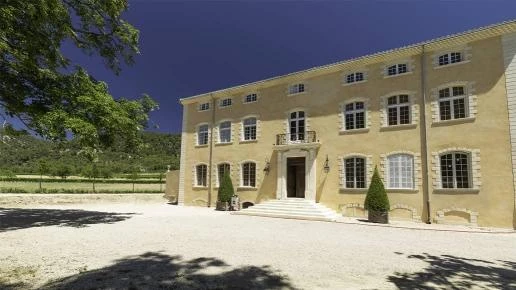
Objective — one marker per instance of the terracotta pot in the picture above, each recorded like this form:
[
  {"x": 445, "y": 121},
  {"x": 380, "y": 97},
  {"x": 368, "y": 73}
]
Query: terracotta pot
[
  {"x": 380, "y": 217},
  {"x": 222, "y": 205}
]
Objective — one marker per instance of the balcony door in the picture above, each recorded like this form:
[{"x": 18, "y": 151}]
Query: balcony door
[{"x": 297, "y": 126}]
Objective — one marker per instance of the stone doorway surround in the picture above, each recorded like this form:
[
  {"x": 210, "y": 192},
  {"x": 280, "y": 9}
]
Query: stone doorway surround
[{"x": 310, "y": 155}]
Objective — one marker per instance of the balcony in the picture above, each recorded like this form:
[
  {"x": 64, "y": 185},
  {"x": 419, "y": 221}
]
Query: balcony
[{"x": 297, "y": 139}]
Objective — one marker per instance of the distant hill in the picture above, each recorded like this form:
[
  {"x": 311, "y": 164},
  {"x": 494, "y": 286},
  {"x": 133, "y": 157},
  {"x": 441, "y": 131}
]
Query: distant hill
[{"x": 22, "y": 153}]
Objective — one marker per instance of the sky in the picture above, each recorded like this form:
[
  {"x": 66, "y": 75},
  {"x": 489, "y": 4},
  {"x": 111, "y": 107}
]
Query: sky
[{"x": 192, "y": 47}]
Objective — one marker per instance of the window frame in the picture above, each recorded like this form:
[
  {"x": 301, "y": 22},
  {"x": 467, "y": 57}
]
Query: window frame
[
  {"x": 221, "y": 130},
  {"x": 204, "y": 175},
  {"x": 449, "y": 58},
  {"x": 450, "y": 99},
  {"x": 229, "y": 102},
  {"x": 399, "y": 169},
  {"x": 205, "y": 137},
  {"x": 246, "y": 101},
  {"x": 203, "y": 107},
  {"x": 354, "y": 113},
  {"x": 469, "y": 173},
  {"x": 297, "y": 88},
  {"x": 251, "y": 174},
  {"x": 398, "y": 106},
  {"x": 351, "y": 78},
  {"x": 397, "y": 69},
  {"x": 355, "y": 180},
  {"x": 245, "y": 126}
]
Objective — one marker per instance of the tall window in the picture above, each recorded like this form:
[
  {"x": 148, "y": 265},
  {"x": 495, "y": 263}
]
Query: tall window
[
  {"x": 225, "y": 102},
  {"x": 249, "y": 129},
  {"x": 354, "y": 77},
  {"x": 455, "y": 170},
  {"x": 202, "y": 135},
  {"x": 297, "y": 126},
  {"x": 221, "y": 170},
  {"x": 398, "y": 110},
  {"x": 250, "y": 98},
  {"x": 452, "y": 103},
  {"x": 397, "y": 69},
  {"x": 401, "y": 171},
  {"x": 449, "y": 58},
  {"x": 249, "y": 174},
  {"x": 225, "y": 132},
  {"x": 204, "y": 106},
  {"x": 297, "y": 88},
  {"x": 201, "y": 171},
  {"x": 355, "y": 172},
  {"x": 354, "y": 116}
]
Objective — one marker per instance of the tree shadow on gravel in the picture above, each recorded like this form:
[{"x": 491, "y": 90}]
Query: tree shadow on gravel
[
  {"x": 22, "y": 218},
  {"x": 154, "y": 270},
  {"x": 451, "y": 272}
]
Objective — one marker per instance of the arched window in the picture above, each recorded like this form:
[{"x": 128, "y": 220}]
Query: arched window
[
  {"x": 400, "y": 170},
  {"x": 398, "y": 110},
  {"x": 225, "y": 132},
  {"x": 455, "y": 170},
  {"x": 249, "y": 174},
  {"x": 355, "y": 172},
  {"x": 354, "y": 116},
  {"x": 249, "y": 127},
  {"x": 452, "y": 103},
  {"x": 449, "y": 58},
  {"x": 201, "y": 171},
  {"x": 202, "y": 134}
]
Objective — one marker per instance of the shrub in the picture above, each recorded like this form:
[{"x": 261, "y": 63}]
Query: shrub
[
  {"x": 376, "y": 198},
  {"x": 226, "y": 190},
  {"x": 7, "y": 173}
]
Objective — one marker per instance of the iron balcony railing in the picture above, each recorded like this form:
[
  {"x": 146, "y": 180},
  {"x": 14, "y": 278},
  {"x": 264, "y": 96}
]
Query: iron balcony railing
[{"x": 296, "y": 138}]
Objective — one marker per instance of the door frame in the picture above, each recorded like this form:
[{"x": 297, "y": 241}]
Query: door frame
[{"x": 310, "y": 172}]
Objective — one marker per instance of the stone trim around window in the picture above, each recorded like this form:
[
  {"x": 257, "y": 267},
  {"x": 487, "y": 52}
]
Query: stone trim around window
[
  {"x": 342, "y": 114},
  {"x": 250, "y": 93},
  {"x": 215, "y": 173},
  {"x": 471, "y": 98},
  {"x": 216, "y": 131},
  {"x": 196, "y": 135},
  {"x": 344, "y": 75},
  {"x": 286, "y": 121},
  {"x": 475, "y": 174},
  {"x": 414, "y": 109},
  {"x": 258, "y": 128},
  {"x": 194, "y": 174},
  {"x": 465, "y": 53},
  {"x": 418, "y": 176},
  {"x": 342, "y": 170},
  {"x": 240, "y": 180},
  {"x": 411, "y": 66}
]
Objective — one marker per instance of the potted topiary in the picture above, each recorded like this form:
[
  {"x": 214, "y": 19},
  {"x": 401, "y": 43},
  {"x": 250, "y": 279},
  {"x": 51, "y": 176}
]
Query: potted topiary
[
  {"x": 376, "y": 201},
  {"x": 225, "y": 192}
]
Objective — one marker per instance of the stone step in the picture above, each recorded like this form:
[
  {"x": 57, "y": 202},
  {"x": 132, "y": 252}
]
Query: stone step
[{"x": 287, "y": 216}]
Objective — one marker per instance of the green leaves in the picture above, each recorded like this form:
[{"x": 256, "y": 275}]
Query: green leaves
[
  {"x": 226, "y": 190},
  {"x": 376, "y": 198}
]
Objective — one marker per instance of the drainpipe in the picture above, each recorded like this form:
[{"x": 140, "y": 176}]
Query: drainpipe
[
  {"x": 214, "y": 107},
  {"x": 424, "y": 142}
]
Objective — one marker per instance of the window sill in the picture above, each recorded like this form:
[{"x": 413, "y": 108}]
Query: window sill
[
  {"x": 248, "y": 141},
  {"x": 201, "y": 146},
  {"x": 397, "y": 75},
  {"x": 224, "y": 107},
  {"x": 353, "y": 131},
  {"x": 352, "y": 190},
  {"x": 402, "y": 190},
  {"x": 200, "y": 111},
  {"x": 223, "y": 143},
  {"x": 451, "y": 64},
  {"x": 398, "y": 127},
  {"x": 456, "y": 191},
  {"x": 296, "y": 94},
  {"x": 245, "y": 103},
  {"x": 246, "y": 188},
  {"x": 353, "y": 83},
  {"x": 454, "y": 121}
]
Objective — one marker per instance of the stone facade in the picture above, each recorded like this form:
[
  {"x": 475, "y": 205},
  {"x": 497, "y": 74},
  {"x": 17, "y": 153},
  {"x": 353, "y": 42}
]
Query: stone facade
[{"x": 466, "y": 77}]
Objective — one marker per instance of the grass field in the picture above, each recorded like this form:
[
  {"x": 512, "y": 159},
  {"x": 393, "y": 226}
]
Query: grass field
[{"x": 33, "y": 186}]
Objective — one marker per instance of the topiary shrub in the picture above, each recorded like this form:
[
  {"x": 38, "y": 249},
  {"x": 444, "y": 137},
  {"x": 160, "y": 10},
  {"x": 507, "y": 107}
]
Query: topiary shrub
[
  {"x": 226, "y": 191},
  {"x": 376, "y": 201}
]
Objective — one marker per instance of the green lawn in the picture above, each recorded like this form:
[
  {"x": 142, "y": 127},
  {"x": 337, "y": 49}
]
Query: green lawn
[{"x": 110, "y": 187}]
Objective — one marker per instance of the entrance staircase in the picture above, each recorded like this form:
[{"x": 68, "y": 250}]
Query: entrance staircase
[{"x": 292, "y": 208}]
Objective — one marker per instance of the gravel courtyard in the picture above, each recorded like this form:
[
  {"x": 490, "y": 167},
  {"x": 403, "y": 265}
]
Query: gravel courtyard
[{"x": 149, "y": 246}]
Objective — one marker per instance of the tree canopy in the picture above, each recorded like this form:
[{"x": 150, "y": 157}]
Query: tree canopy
[{"x": 55, "y": 97}]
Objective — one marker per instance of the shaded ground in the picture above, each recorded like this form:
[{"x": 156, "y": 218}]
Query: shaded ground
[{"x": 154, "y": 246}]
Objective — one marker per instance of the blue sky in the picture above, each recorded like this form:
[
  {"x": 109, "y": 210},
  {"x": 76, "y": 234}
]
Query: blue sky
[{"x": 192, "y": 47}]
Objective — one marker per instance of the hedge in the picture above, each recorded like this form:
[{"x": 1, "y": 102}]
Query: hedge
[
  {"x": 70, "y": 180},
  {"x": 69, "y": 190}
]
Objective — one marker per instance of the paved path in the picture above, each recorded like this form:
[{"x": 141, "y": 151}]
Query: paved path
[{"x": 148, "y": 246}]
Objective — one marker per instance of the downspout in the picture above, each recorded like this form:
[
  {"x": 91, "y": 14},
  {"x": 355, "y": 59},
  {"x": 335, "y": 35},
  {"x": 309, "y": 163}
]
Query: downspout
[
  {"x": 212, "y": 100},
  {"x": 424, "y": 143}
]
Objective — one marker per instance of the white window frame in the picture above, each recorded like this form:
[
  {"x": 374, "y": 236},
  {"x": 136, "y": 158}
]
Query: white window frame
[
  {"x": 354, "y": 112},
  {"x": 454, "y": 170},
  {"x": 204, "y": 107},
  {"x": 246, "y": 101},
  {"x": 354, "y": 172},
  {"x": 199, "y": 132},
  {"x": 226, "y": 102},
  {"x": 398, "y": 106},
  {"x": 244, "y": 126},
  {"x": 297, "y": 88},
  {"x": 351, "y": 78},
  {"x": 399, "y": 184},
  {"x": 450, "y": 99},
  {"x": 449, "y": 58},
  {"x": 397, "y": 69},
  {"x": 222, "y": 130},
  {"x": 243, "y": 181},
  {"x": 205, "y": 179}
]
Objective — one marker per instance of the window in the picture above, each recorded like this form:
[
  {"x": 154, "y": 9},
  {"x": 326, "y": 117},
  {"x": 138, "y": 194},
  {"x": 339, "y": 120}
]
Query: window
[
  {"x": 355, "y": 77},
  {"x": 204, "y": 107},
  {"x": 249, "y": 174},
  {"x": 355, "y": 172},
  {"x": 296, "y": 89},
  {"x": 250, "y": 98},
  {"x": 455, "y": 170},
  {"x": 452, "y": 103},
  {"x": 202, "y": 135},
  {"x": 401, "y": 171},
  {"x": 397, "y": 69},
  {"x": 297, "y": 126},
  {"x": 249, "y": 129},
  {"x": 354, "y": 116},
  {"x": 225, "y": 102},
  {"x": 449, "y": 58},
  {"x": 225, "y": 132},
  {"x": 221, "y": 170},
  {"x": 398, "y": 110},
  {"x": 201, "y": 175}
]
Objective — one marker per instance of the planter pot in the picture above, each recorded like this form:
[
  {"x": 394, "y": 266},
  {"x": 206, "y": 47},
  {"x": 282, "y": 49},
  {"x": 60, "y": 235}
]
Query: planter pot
[
  {"x": 222, "y": 205},
  {"x": 381, "y": 217}
]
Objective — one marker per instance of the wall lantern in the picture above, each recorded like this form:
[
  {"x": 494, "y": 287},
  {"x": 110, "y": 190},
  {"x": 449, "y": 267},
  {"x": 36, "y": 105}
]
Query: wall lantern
[
  {"x": 327, "y": 164},
  {"x": 267, "y": 167}
]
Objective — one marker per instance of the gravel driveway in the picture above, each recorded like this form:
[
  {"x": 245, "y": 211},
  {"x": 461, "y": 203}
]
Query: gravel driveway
[{"x": 149, "y": 246}]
